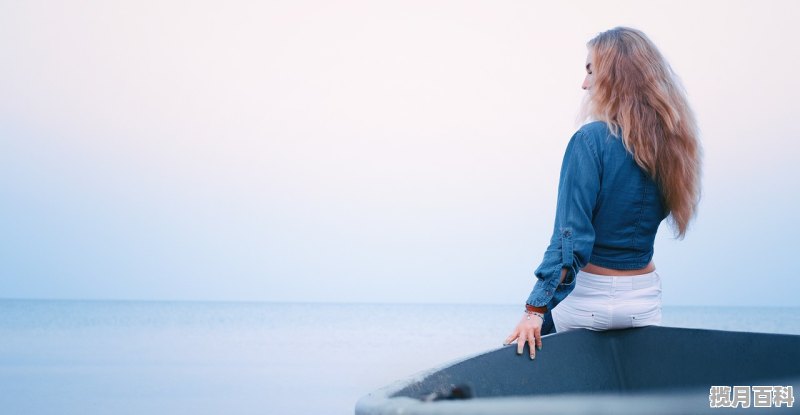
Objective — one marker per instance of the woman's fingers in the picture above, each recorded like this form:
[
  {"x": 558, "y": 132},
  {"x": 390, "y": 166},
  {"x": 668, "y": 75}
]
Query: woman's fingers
[
  {"x": 538, "y": 335},
  {"x": 531, "y": 345},
  {"x": 510, "y": 339},
  {"x": 527, "y": 332},
  {"x": 521, "y": 344}
]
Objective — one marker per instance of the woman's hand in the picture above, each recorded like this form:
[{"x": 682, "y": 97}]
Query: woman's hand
[{"x": 528, "y": 330}]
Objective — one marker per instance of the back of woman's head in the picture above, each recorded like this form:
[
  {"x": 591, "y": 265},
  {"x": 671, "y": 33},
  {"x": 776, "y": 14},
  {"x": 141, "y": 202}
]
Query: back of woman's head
[{"x": 635, "y": 91}]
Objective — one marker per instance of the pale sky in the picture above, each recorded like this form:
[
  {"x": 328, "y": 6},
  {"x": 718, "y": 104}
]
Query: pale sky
[{"x": 365, "y": 151}]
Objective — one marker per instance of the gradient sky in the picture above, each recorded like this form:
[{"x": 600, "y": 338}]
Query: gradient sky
[{"x": 370, "y": 151}]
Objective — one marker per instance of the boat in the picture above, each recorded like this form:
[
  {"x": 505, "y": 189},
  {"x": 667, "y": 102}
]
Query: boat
[{"x": 646, "y": 370}]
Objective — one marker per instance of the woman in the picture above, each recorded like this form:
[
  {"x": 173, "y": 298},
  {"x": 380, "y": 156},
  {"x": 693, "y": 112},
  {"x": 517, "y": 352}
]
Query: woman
[{"x": 636, "y": 164}]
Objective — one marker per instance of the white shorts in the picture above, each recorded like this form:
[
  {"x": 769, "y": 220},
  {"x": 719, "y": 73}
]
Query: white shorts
[{"x": 601, "y": 302}]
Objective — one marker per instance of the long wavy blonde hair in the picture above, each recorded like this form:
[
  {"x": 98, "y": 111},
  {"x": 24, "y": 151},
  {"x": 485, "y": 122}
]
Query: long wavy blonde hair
[{"x": 636, "y": 91}]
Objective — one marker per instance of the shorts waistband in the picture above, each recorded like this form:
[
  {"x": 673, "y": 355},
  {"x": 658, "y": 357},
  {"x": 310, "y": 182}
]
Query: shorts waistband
[{"x": 604, "y": 282}]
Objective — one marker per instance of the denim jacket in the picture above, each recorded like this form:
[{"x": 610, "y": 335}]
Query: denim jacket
[{"x": 608, "y": 213}]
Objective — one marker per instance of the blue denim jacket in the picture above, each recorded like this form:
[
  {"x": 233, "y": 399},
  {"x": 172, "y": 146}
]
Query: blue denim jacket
[{"x": 608, "y": 213}]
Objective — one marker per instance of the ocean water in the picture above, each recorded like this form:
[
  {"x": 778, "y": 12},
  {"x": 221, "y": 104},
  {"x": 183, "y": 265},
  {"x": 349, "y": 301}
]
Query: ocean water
[{"x": 125, "y": 357}]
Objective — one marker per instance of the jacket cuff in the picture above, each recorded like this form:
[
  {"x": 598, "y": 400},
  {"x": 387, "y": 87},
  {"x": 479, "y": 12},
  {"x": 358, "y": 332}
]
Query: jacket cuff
[{"x": 549, "y": 292}]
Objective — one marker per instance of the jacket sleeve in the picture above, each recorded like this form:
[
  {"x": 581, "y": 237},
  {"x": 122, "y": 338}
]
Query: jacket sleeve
[{"x": 573, "y": 233}]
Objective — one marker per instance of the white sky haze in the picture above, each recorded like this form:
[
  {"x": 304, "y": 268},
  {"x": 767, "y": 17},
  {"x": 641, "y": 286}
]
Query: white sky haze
[{"x": 368, "y": 151}]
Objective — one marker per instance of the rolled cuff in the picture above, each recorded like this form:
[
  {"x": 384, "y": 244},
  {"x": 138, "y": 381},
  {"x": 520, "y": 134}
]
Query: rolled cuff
[{"x": 548, "y": 291}]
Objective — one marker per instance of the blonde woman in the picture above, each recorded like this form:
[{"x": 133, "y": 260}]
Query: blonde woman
[{"x": 636, "y": 164}]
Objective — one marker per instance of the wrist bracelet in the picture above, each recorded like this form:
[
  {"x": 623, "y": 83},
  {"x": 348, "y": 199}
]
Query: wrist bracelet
[
  {"x": 529, "y": 307},
  {"x": 534, "y": 313}
]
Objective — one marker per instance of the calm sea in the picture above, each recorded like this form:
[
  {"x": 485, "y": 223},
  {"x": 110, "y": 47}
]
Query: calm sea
[{"x": 124, "y": 357}]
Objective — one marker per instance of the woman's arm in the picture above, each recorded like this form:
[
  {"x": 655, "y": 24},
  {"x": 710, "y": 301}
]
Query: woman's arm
[
  {"x": 573, "y": 232},
  {"x": 572, "y": 241}
]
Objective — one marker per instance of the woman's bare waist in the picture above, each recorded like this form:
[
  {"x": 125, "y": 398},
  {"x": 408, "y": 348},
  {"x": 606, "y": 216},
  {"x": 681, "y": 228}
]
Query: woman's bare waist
[{"x": 596, "y": 269}]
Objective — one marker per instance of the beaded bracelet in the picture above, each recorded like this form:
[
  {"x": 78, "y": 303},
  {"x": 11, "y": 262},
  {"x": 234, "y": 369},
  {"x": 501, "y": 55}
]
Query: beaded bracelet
[{"x": 534, "y": 313}]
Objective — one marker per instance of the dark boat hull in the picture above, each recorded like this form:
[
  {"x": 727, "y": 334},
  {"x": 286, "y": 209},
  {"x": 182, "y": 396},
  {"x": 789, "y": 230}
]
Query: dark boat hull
[{"x": 644, "y": 370}]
